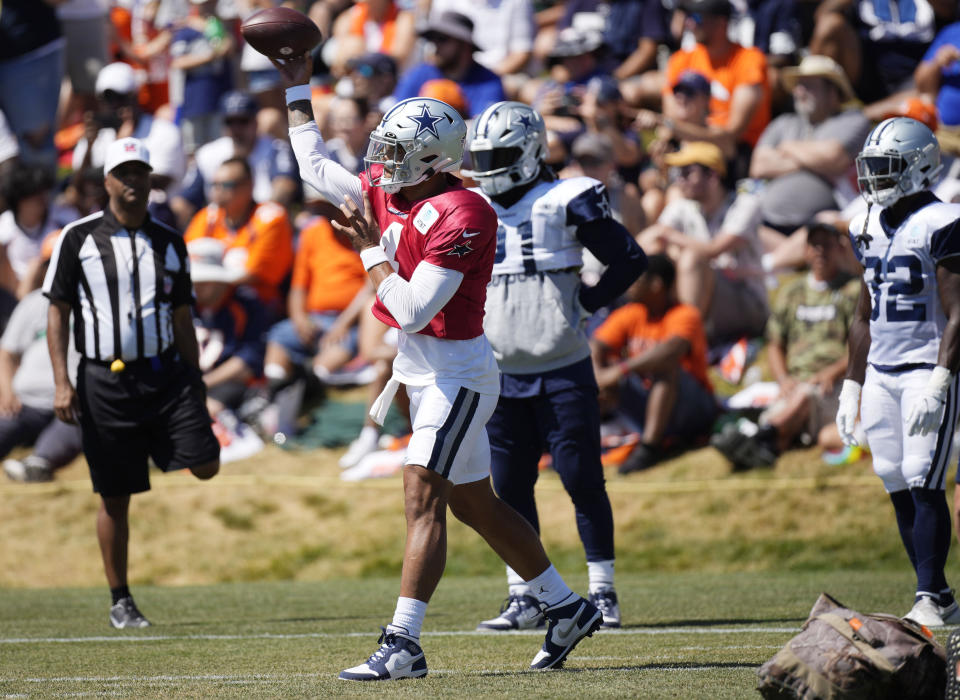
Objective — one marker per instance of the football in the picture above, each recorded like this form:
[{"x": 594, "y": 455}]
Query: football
[{"x": 280, "y": 32}]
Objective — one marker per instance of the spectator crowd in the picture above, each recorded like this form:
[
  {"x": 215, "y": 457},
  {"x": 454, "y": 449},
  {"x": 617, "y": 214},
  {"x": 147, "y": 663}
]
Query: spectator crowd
[{"x": 724, "y": 131}]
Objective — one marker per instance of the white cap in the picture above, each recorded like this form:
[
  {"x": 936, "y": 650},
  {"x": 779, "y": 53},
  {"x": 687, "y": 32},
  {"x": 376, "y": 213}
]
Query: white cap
[
  {"x": 117, "y": 77},
  {"x": 124, "y": 151},
  {"x": 206, "y": 262}
]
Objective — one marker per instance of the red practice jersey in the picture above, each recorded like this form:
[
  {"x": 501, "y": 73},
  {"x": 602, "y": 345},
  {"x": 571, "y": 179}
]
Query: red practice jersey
[{"x": 455, "y": 229}]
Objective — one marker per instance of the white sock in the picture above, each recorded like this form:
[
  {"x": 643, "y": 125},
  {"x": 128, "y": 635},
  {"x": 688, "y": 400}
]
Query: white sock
[
  {"x": 408, "y": 617},
  {"x": 516, "y": 583},
  {"x": 275, "y": 372},
  {"x": 369, "y": 435},
  {"x": 550, "y": 588},
  {"x": 601, "y": 575}
]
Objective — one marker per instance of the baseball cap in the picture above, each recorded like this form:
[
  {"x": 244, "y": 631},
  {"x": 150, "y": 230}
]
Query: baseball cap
[
  {"x": 124, "y": 151},
  {"x": 916, "y": 108},
  {"x": 374, "y": 63},
  {"x": 817, "y": 228},
  {"x": 593, "y": 145},
  {"x": 206, "y": 262},
  {"x": 573, "y": 41},
  {"x": 116, "y": 77},
  {"x": 239, "y": 104},
  {"x": 693, "y": 83},
  {"x": 698, "y": 153},
  {"x": 446, "y": 91},
  {"x": 717, "y": 8}
]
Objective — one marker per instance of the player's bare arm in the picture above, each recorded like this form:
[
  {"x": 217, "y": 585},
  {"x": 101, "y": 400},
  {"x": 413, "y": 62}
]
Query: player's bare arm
[
  {"x": 948, "y": 286},
  {"x": 860, "y": 337}
]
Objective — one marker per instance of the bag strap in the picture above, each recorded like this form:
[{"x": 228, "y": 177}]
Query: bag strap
[
  {"x": 842, "y": 626},
  {"x": 812, "y": 679}
]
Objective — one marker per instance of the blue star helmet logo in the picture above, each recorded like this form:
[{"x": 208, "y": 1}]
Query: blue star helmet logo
[
  {"x": 426, "y": 122},
  {"x": 525, "y": 122}
]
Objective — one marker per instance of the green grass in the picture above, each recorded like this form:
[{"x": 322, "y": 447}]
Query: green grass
[{"x": 685, "y": 635}]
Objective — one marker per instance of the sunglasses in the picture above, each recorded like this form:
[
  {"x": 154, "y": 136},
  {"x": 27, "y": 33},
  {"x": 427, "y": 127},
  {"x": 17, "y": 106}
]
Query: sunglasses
[
  {"x": 238, "y": 121},
  {"x": 688, "y": 170},
  {"x": 227, "y": 184}
]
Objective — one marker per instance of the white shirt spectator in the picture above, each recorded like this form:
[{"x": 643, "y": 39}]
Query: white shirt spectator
[
  {"x": 740, "y": 215},
  {"x": 161, "y": 138},
  {"x": 513, "y": 20}
]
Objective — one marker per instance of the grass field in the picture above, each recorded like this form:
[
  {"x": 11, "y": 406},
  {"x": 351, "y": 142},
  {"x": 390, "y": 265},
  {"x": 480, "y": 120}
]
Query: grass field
[
  {"x": 685, "y": 636},
  {"x": 269, "y": 579}
]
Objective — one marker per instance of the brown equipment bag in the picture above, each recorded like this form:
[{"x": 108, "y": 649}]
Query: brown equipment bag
[{"x": 844, "y": 654}]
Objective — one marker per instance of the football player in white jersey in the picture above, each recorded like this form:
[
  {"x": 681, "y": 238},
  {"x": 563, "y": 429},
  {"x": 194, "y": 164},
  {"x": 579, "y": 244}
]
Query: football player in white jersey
[
  {"x": 535, "y": 315},
  {"x": 905, "y": 346}
]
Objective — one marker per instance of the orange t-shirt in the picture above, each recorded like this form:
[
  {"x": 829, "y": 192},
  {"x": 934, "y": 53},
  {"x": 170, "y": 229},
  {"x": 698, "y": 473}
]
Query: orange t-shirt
[
  {"x": 264, "y": 244},
  {"x": 628, "y": 328},
  {"x": 743, "y": 66},
  {"x": 360, "y": 16},
  {"x": 327, "y": 267}
]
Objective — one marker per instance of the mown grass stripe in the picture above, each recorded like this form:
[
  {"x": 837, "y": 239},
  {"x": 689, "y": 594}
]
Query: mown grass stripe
[
  {"x": 330, "y": 483},
  {"x": 346, "y": 635}
]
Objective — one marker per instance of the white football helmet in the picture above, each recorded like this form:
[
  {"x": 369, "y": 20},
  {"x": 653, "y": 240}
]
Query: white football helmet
[
  {"x": 508, "y": 147},
  {"x": 901, "y": 156},
  {"x": 416, "y": 139}
]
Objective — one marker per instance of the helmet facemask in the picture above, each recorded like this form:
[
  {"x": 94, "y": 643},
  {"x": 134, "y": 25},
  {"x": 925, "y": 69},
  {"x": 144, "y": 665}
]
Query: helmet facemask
[
  {"x": 507, "y": 148},
  {"x": 879, "y": 177},
  {"x": 499, "y": 170}
]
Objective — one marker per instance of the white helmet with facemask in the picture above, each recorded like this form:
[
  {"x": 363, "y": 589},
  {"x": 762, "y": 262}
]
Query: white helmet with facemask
[
  {"x": 901, "y": 156},
  {"x": 508, "y": 147},
  {"x": 416, "y": 139}
]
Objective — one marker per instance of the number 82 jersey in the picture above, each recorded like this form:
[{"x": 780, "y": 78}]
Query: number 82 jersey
[{"x": 900, "y": 271}]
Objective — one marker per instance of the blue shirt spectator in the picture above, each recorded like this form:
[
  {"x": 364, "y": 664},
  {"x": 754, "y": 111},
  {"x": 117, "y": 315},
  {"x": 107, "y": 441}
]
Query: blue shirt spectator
[{"x": 948, "y": 88}]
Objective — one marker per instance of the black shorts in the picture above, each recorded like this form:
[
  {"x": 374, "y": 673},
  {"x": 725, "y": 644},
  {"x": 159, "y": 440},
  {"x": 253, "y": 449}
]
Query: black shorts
[{"x": 156, "y": 411}]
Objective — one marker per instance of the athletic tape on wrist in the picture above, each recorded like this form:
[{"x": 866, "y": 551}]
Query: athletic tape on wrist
[
  {"x": 373, "y": 256},
  {"x": 297, "y": 93}
]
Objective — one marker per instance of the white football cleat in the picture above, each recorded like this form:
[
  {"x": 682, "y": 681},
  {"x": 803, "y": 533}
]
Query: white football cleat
[{"x": 926, "y": 612}]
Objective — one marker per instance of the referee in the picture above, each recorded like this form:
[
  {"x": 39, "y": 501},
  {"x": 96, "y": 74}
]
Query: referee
[{"x": 139, "y": 394}]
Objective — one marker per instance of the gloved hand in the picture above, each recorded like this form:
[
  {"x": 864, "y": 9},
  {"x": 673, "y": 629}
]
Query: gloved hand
[
  {"x": 848, "y": 410},
  {"x": 927, "y": 411}
]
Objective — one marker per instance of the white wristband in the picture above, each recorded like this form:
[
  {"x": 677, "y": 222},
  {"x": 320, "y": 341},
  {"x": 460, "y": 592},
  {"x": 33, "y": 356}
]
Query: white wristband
[
  {"x": 297, "y": 93},
  {"x": 373, "y": 256}
]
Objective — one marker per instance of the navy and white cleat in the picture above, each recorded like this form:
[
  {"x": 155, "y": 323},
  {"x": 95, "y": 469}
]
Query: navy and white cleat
[
  {"x": 398, "y": 657},
  {"x": 125, "y": 614},
  {"x": 518, "y": 612},
  {"x": 568, "y": 625},
  {"x": 609, "y": 607}
]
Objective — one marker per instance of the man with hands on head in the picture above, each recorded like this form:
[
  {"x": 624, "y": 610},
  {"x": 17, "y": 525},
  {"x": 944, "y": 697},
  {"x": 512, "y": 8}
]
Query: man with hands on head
[
  {"x": 905, "y": 346},
  {"x": 428, "y": 246}
]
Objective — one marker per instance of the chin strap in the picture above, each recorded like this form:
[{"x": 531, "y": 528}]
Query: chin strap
[{"x": 864, "y": 238}]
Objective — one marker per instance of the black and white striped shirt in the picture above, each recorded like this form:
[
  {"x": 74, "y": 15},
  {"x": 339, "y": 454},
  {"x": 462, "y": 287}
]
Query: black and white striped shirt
[{"x": 121, "y": 285}]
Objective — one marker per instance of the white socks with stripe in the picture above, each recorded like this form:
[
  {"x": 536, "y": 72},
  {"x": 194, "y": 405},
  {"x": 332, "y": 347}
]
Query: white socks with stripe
[
  {"x": 550, "y": 589},
  {"x": 408, "y": 617}
]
